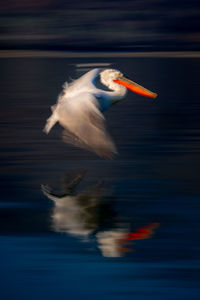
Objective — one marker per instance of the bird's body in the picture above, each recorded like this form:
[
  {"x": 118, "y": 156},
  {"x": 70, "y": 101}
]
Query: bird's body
[{"x": 79, "y": 109}]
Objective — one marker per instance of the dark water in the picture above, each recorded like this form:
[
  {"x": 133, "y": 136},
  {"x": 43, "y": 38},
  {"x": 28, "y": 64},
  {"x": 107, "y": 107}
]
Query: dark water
[{"x": 131, "y": 228}]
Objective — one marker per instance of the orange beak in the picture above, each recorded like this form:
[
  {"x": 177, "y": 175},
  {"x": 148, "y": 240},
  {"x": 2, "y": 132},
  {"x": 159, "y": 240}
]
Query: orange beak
[{"x": 134, "y": 87}]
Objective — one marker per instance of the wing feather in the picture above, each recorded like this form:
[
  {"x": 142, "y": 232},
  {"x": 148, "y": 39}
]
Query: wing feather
[
  {"x": 85, "y": 82},
  {"x": 85, "y": 125}
]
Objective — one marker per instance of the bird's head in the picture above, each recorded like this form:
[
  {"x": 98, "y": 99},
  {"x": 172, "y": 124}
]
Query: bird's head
[
  {"x": 108, "y": 78},
  {"x": 113, "y": 78}
]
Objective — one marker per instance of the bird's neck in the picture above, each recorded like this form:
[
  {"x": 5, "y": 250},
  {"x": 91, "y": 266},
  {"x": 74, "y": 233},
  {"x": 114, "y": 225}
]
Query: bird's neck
[
  {"x": 118, "y": 92},
  {"x": 108, "y": 98}
]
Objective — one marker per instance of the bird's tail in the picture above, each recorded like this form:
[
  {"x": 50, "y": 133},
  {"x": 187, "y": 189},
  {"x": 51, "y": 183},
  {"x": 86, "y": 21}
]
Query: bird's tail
[{"x": 50, "y": 123}]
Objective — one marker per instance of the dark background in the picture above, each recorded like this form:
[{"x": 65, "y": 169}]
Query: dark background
[
  {"x": 141, "y": 25},
  {"x": 154, "y": 178}
]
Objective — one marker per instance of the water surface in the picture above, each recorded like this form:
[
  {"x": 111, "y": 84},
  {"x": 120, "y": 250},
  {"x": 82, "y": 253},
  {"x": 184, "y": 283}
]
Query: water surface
[{"x": 154, "y": 180}]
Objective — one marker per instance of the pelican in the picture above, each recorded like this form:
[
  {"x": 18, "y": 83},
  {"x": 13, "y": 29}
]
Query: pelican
[{"x": 80, "y": 108}]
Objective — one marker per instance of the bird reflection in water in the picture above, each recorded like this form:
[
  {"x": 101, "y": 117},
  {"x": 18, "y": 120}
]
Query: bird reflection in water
[{"x": 90, "y": 214}]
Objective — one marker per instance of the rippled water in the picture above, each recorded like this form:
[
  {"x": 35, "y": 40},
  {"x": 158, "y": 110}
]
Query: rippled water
[{"x": 126, "y": 228}]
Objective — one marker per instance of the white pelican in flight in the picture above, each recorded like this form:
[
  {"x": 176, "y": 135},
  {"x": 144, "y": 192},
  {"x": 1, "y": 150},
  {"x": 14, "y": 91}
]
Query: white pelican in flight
[{"x": 80, "y": 106}]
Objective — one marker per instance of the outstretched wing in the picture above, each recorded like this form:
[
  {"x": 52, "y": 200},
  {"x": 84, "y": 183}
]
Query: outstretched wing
[
  {"x": 88, "y": 79},
  {"x": 85, "y": 125},
  {"x": 85, "y": 82}
]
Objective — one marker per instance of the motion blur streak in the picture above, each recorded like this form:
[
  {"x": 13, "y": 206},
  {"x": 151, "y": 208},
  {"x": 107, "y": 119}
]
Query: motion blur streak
[{"x": 143, "y": 232}]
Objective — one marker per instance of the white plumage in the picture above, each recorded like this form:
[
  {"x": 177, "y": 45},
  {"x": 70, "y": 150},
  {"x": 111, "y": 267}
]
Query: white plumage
[{"x": 79, "y": 110}]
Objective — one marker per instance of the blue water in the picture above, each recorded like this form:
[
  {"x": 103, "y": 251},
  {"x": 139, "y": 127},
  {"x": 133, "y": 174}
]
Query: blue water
[{"x": 153, "y": 180}]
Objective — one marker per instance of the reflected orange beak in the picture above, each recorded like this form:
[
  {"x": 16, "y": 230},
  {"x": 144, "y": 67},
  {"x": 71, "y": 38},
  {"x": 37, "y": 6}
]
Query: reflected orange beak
[{"x": 134, "y": 87}]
